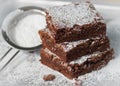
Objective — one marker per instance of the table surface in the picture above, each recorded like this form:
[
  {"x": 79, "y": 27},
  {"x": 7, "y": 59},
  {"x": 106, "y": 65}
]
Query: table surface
[{"x": 26, "y": 70}]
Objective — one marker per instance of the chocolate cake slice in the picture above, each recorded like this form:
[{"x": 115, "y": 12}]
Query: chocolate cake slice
[
  {"x": 78, "y": 67},
  {"x": 75, "y": 22},
  {"x": 69, "y": 51}
]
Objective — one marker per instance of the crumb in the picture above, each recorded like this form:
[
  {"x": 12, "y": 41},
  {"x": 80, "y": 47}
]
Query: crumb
[
  {"x": 49, "y": 77},
  {"x": 78, "y": 82}
]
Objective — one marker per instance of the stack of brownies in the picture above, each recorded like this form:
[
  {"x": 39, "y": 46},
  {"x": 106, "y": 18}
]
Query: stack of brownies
[{"x": 75, "y": 41}]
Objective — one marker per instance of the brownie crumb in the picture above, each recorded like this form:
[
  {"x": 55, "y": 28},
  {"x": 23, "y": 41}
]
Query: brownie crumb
[
  {"x": 78, "y": 82},
  {"x": 49, "y": 77}
]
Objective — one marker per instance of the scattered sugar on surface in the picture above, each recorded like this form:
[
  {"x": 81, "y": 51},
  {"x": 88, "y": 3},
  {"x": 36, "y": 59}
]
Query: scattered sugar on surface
[{"x": 31, "y": 72}]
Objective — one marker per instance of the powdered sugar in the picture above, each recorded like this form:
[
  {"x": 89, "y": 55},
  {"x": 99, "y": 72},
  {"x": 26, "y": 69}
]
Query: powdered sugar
[
  {"x": 68, "y": 15},
  {"x": 71, "y": 45},
  {"x": 48, "y": 51},
  {"x": 84, "y": 58}
]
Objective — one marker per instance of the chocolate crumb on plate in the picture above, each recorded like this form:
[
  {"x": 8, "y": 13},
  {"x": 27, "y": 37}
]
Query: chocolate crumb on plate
[
  {"x": 49, "y": 77},
  {"x": 78, "y": 82}
]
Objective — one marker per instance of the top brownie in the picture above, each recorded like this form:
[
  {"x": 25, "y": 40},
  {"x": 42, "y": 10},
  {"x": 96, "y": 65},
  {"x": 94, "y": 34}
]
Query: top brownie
[{"x": 75, "y": 22}]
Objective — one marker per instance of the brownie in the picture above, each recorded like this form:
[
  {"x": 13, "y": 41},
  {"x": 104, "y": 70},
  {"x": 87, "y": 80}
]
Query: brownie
[
  {"x": 75, "y": 22},
  {"x": 78, "y": 67},
  {"x": 69, "y": 51}
]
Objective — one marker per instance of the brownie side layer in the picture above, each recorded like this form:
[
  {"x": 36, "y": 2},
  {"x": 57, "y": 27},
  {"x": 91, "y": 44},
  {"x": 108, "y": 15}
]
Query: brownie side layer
[
  {"x": 76, "y": 32},
  {"x": 74, "y": 70},
  {"x": 75, "y": 22},
  {"x": 69, "y": 51},
  {"x": 71, "y": 34}
]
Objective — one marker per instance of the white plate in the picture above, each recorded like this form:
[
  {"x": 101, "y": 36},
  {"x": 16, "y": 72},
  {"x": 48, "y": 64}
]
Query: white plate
[{"x": 30, "y": 71}]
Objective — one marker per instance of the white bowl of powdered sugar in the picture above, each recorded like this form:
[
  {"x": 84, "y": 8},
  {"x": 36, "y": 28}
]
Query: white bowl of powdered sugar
[{"x": 20, "y": 28}]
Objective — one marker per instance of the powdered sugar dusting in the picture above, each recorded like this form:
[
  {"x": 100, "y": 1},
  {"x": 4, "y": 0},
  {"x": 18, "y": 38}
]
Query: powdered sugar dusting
[
  {"x": 84, "y": 58},
  {"x": 48, "y": 51},
  {"x": 68, "y": 15},
  {"x": 71, "y": 45}
]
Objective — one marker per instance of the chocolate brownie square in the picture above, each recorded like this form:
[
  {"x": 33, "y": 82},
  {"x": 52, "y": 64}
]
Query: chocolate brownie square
[
  {"x": 75, "y": 22},
  {"x": 69, "y": 51},
  {"x": 78, "y": 67}
]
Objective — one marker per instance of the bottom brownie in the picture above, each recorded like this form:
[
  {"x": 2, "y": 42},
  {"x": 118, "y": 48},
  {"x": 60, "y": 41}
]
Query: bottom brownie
[{"x": 78, "y": 67}]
